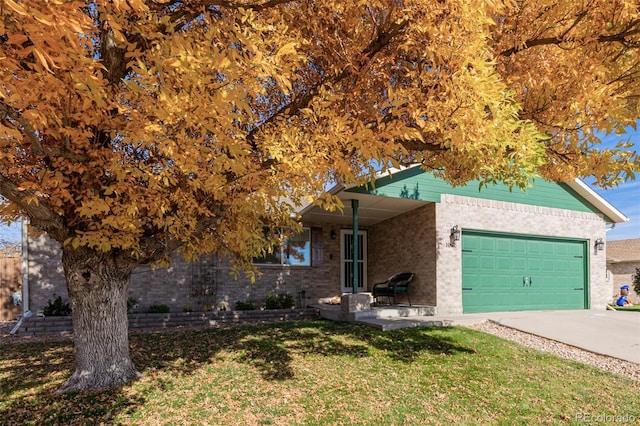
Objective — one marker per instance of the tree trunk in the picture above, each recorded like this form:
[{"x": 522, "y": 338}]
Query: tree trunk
[{"x": 98, "y": 286}]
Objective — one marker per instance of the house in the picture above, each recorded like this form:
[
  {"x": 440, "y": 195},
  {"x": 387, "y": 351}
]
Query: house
[
  {"x": 623, "y": 258},
  {"x": 471, "y": 250}
]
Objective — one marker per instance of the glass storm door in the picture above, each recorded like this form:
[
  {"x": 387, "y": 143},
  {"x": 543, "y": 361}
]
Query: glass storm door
[{"x": 347, "y": 263}]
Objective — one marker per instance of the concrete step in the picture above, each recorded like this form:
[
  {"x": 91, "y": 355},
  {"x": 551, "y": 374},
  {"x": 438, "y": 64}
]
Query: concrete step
[
  {"x": 400, "y": 311},
  {"x": 335, "y": 313},
  {"x": 386, "y": 324}
]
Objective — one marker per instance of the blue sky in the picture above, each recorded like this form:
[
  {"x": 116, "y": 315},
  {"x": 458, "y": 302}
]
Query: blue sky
[
  {"x": 625, "y": 197},
  {"x": 10, "y": 233}
]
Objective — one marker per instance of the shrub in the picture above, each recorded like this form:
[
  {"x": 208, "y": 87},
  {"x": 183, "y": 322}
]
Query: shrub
[
  {"x": 187, "y": 308},
  {"x": 57, "y": 309},
  {"x": 635, "y": 281},
  {"x": 131, "y": 303},
  {"x": 249, "y": 305},
  {"x": 279, "y": 301},
  {"x": 158, "y": 309}
]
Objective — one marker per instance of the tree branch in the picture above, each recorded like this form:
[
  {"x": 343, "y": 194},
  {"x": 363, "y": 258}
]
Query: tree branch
[
  {"x": 32, "y": 136},
  {"x": 40, "y": 215},
  {"x": 195, "y": 10},
  {"x": 301, "y": 102},
  {"x": 621, "y": 37}
]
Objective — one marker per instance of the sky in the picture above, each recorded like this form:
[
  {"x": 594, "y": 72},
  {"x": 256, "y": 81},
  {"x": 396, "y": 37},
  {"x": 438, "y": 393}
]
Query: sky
[
  {"x": 625, "y": 197},
  {"x": 11, "y": 233}
]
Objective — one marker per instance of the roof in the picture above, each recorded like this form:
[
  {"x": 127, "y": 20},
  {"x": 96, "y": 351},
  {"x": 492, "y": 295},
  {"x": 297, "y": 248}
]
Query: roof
[
  {"x": 621, "y": 251},
  {"x": 598, "y": 201},
  {"x": 390, "y": 196}
]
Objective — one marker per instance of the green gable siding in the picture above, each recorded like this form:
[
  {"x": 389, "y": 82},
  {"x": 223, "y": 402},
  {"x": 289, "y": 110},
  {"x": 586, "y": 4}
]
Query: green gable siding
[{"x": 417, "y": 184}]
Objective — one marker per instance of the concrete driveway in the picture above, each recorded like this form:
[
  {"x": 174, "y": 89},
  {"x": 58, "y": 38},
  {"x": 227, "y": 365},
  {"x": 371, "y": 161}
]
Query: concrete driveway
[{"x": 610, "y": 333}]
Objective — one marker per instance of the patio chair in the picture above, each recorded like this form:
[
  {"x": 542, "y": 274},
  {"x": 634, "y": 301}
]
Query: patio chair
[{"x": 398, "y": 283}]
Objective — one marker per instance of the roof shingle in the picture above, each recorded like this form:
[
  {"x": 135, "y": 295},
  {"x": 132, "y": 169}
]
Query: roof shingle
[{"x": 623, "y": 251}]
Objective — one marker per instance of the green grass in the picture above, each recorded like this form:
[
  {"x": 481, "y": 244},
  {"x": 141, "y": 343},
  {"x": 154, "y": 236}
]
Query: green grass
[
  {"x": 316, "y": 373},
  {"x": 634, "y": 308}
]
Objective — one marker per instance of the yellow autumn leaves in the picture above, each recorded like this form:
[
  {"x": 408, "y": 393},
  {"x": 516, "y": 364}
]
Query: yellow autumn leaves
[{"x": 137, "y": 121}]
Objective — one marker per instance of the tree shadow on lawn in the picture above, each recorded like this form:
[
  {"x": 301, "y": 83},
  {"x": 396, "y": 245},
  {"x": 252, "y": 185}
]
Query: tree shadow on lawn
[
  {"x": 271, "y": 348},
  {"x": 30, "y": 373}
]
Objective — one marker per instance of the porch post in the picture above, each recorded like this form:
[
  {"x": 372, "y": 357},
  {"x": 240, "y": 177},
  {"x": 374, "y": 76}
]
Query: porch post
[{"x": 354, "y": 206}]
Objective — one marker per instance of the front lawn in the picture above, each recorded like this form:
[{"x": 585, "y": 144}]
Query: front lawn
[{"x": 317, "y": 373}]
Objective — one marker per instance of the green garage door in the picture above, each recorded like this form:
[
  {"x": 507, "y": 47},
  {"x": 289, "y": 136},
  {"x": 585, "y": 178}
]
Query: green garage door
[{"x": 504, "y": 272}]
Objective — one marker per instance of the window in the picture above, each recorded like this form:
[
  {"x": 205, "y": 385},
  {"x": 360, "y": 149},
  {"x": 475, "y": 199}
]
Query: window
[{"x": 294, "y": 251}]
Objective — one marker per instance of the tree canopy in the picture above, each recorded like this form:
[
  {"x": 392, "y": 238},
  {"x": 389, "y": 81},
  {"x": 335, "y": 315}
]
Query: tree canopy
[
  {"x": 148, "y": 125},
  {"x": 132, "y": 128}
]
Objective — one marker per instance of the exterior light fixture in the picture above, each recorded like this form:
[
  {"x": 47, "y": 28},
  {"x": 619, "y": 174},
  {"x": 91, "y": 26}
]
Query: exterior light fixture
[
  {"x": 455, "y": 235},
  {"x": 599, "y": 244},
  {"x": 333, "y": 235}
]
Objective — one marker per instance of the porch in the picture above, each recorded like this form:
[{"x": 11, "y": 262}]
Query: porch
[{"x": 358, "y": 308}]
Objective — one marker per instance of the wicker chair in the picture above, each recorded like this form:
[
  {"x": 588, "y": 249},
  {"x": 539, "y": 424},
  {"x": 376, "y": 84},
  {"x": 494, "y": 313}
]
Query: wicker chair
[{"x": 398, "y": 283}]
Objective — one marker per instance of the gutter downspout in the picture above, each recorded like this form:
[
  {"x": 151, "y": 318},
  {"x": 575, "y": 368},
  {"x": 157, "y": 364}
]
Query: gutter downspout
[{"x": 25, "y": 275}]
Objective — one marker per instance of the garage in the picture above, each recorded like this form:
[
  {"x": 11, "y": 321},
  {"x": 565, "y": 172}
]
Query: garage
[{"x": 510, "y": 272}]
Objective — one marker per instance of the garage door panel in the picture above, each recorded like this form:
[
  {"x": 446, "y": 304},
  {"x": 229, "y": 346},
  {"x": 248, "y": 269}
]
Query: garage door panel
[
  {"x": 487, "y": 262},
  {"x": 562, "y": 250},
  {"x": 503, "y": 247},
  {"x": 504, "y": 282},
  {"x": 576, "y": 251},
  {"x": 518, "y": 247},
  {"x": 501, "y": 299},
  {"x": 533, "y": 247},
  {"x": 503, "y": 262},
  {"x": 534, "y": 265},
  {"x": 512, "y": 272},
  {"x": 548, "y": 248},
  {"x": 519, "y": 264},
  {"x": 487, "y": 245}
]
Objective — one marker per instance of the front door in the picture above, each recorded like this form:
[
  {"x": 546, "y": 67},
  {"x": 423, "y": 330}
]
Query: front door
[{"x": 347, "y": 264}]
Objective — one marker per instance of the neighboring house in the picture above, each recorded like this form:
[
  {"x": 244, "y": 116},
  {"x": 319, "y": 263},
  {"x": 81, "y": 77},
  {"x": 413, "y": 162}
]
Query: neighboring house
[
  {"x": 623, "y": 257},
  {"x": 471, "y": 250}
]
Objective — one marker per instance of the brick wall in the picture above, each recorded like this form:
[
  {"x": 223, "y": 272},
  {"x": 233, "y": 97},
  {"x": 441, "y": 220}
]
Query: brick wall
[
  {"x": 46, "y": 277},
  {"x": 406, "y": 243},
  {"x": 177, "y": 285},
  {"x": 620, "y": 274}
]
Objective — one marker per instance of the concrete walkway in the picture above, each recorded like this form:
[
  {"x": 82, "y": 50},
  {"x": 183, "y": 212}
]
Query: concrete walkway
[{"x": 610, "y": 333}]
